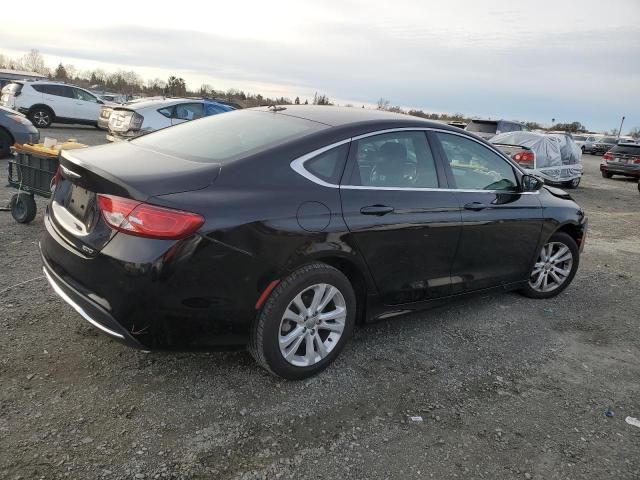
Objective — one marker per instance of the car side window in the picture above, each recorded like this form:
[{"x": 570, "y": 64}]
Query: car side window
[
  {"x": 328, "y": 166},
  {"x": 393, "y": 160},
  {"x": 212, "y": 109},
  {"x": 189, "y": 111},
  {"x": 167, "y": 111},
  {"x": 474, "y": 166},
  {"x": 84, "y": 96}
]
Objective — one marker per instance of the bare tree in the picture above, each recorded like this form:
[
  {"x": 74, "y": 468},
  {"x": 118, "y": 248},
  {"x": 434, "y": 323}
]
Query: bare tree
[
  {"x": 383, "y": 104},
  {"x": 34, "y": 62}
]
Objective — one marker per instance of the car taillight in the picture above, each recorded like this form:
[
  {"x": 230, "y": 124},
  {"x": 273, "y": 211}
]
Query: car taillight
[
  {"x": 136, "y": 121},
  {"x": 144, "y": 220},
  {"x": 524, "y": 158},
  {"x": 54, "y": 181},
  {"x": 607, "y": 157}
]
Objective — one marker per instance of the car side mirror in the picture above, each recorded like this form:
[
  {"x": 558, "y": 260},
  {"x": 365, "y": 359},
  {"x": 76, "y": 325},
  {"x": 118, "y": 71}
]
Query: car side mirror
[{"x": 531, "y": 183}]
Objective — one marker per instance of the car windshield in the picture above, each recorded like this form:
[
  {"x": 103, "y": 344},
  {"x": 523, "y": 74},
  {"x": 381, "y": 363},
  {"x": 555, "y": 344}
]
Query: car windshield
[
  {"x": 483, "y": 127},
  {"x": 228, "y": 136}
]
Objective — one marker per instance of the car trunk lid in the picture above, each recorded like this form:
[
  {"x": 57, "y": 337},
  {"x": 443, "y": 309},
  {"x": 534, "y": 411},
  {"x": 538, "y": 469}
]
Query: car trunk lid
[{"x": 123, "y": 170}]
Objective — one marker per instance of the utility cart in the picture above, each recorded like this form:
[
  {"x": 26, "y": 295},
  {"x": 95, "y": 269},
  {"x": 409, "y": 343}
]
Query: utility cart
[{"x": 31, "y": 170}]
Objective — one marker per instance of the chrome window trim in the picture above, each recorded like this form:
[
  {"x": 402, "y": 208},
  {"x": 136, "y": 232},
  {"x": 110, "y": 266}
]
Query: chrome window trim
[{"x": 298, "y": 164}]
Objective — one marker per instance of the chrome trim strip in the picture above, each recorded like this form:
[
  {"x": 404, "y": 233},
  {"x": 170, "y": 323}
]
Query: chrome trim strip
[
  {"x": 298, "y": 164},
  {"x": 77, "y": 307},
  {"x": 458, "y": 190},
  {"x": 69, "y": 173}
]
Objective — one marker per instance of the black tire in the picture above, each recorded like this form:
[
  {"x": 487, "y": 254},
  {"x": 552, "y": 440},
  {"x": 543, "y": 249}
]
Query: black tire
[
  {"x": 5, "y": 143},
  {"x": 265, "y": 331},
  {"x": 606, "y": 174},
  {"x": 23, "y": 207},
  {"x": 582, "y": 148},
  {"x": 566, "y": 239},
  {"x": 573, "y": 183},
  {"x": 41, "y": 117}
]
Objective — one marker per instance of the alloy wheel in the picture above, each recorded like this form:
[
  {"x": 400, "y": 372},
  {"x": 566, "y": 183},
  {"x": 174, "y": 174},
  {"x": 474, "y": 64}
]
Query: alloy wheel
[
  {"x": 552, "y": 268},
  {"x": 41, "y": 118},
  {"x": 312, "y": 325}
]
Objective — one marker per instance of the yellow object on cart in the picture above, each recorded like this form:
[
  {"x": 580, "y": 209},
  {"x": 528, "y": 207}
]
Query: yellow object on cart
[{"x": 54, "y": 151}]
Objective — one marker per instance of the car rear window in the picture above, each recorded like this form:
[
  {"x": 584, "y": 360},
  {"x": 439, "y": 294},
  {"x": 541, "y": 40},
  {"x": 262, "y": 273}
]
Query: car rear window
[
  {"x": 609, "y": 140},
  {"x": 629, "y": 149},
  {"x": 483, "y": 127},
  {"x": 228, "y": 136},
  {"x": 12, "y": 88}
]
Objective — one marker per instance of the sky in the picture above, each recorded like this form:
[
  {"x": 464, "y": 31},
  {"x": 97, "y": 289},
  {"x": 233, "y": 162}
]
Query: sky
[{"x": 526, "y": 60}]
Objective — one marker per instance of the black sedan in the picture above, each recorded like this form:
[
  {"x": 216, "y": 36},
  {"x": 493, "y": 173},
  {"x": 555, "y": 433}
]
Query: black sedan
[{"x": 282, "y": 228}]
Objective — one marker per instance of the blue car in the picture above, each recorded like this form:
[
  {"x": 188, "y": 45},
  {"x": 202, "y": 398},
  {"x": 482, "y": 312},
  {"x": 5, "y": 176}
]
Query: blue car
[{"x": 15, "y": 128}]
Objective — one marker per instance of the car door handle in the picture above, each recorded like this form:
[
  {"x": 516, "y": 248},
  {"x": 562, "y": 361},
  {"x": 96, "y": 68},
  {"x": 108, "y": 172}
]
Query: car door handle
[
  {"x": 476, "y": 206},
  {"x": 376, "y": 210}
]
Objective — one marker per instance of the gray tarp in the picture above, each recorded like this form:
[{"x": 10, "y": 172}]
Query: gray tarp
[{"x": 557, "y": 155}]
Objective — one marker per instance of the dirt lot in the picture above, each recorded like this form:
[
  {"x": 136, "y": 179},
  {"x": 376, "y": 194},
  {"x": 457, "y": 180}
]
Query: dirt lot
[{"x": 508, "y": 387}]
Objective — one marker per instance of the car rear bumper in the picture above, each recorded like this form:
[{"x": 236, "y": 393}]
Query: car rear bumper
[
  {"x": 626, "y": 170},
  {"x": 155, "y": 295},
  {"x": 89, "y": 310}
]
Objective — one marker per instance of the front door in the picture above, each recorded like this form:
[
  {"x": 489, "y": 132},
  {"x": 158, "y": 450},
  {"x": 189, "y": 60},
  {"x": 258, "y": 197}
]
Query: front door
[
  {"x": 87, "y": 107},
  {"x": 501, "y": 225},
  {"x": 405, "y": 226}
]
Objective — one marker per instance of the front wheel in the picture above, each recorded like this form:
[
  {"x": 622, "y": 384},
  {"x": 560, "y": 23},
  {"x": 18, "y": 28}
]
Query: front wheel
[
  {"x": 555, "y": 267},
  {"x": 572, "y": 183},
  {"x": 304, "y": 323}
]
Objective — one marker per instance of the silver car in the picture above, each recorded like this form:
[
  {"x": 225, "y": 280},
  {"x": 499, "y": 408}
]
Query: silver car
[{"x": 142, "y": 117}]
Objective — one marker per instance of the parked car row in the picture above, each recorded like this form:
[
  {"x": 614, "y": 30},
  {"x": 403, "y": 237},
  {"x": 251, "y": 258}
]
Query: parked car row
[{"x": 45, "y": 102}]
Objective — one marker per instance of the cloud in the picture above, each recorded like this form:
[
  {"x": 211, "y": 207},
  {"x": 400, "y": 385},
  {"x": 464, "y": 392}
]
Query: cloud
[{"x": 530, "y": 73}]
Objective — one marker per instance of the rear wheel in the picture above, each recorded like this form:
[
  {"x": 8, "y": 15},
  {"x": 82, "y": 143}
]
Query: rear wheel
[
  {"x": 41, "y": 117},
  {"x": 23, "y": 207},
  {"x": 607, "y": 175},
  {"x": 304, "y": 323},
  {"x": 5, "y": 142},
  {"x": 555, "y": 267}
]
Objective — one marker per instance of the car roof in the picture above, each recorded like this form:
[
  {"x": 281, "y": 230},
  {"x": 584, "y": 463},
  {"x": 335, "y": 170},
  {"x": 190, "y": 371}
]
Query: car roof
[
  {"x": 337, "y": 116},
  {"x": 160, "y": 102}
]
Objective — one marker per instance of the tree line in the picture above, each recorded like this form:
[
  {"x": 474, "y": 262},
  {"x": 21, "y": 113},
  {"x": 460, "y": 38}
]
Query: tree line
[{"x": 132, "y": 84}]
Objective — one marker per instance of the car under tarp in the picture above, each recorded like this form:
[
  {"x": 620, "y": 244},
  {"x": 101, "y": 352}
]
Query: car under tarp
[{"x": 557, "y": 157}]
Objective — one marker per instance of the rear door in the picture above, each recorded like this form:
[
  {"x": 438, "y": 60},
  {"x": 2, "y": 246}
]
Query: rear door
[
  {"x": 406, "y": 226},
  {"x": 501, "y": 225},
  {"x": 59, "y": 98}
]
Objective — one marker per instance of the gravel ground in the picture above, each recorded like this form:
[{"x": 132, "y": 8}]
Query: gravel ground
[{"x": 507, "y": 387}]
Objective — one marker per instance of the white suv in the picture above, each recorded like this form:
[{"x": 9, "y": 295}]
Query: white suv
[{"x": 47, "y": 102}]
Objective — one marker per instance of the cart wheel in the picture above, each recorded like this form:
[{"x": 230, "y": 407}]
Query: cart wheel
[{"x": 23, "y": 207}]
